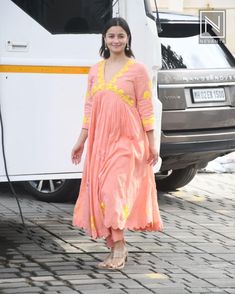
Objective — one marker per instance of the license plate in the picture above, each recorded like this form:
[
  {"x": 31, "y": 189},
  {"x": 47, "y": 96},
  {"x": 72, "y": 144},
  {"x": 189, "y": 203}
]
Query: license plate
[{"x": 209, "y": 95}]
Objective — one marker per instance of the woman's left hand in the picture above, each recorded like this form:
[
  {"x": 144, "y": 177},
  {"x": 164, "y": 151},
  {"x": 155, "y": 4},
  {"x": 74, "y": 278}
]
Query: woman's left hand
[{"x": 153, "y": 155}]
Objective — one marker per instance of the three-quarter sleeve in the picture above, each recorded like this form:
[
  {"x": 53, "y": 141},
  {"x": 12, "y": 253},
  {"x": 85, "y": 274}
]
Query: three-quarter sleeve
[
  {"x": 143, "y": 89},
  {"x": 88, "y": 104}
]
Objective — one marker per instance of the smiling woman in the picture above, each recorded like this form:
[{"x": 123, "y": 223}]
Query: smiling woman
[
  {"x": 116, "y": 38},
  {"x": 118, "y": 189}
]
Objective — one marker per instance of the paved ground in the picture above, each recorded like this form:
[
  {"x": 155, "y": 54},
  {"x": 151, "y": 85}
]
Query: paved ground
[{"x": 194, "y": 254}]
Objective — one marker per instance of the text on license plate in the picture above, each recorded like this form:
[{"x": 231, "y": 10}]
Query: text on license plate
[{"x": 208, "y": 95}]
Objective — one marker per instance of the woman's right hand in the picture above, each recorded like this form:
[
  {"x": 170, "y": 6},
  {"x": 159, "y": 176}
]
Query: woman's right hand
[
  {"x": 77, "y": 150},
  {"x": 76, "y": 154}
]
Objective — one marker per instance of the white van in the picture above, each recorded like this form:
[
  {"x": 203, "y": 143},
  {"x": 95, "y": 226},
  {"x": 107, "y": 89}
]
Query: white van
[{"x": 46, "y": 50}]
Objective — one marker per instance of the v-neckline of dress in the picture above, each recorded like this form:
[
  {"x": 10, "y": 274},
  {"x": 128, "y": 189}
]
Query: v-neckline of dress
[{"x": 119, "y": 72}]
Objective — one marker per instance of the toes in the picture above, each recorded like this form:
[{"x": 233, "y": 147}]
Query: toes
[
  {"x": 106, "y": 262},
  {"x": 101, "y": 265},
  {"x": 116, "y": 264}
]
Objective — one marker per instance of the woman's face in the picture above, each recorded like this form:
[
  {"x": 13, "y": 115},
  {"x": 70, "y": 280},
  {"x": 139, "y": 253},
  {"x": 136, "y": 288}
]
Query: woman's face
[{"x": 116, "y": 39}]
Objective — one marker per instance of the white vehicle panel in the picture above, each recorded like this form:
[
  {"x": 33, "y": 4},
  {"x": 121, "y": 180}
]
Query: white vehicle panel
[{"x": 43, "y": 111}]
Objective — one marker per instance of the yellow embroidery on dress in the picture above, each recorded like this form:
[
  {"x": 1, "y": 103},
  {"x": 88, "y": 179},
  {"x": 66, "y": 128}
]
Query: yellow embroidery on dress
[
  {"x": 120, "y": 93},
  {"x": 102, "y": 206},
  {"x": 86, "y": 119},
  {"x": 94, "y": 90},
  {"x": 148, "y": 121},
  {"x": 125, "y": 211},
  {"x": 101, "y": 85},
  {"x": 87, "y": 94},
  {"x": 147, "y": 94},
  {"x": 92, "y": 222},
  {"x": 122, "y": 71},
  {"x": 101, "y": 72}
]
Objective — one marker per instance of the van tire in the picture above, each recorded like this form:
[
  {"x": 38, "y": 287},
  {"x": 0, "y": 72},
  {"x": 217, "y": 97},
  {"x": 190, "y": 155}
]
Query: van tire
[
  {"x": 177, "y": 179},
  {"x": 64, "y": 190}
]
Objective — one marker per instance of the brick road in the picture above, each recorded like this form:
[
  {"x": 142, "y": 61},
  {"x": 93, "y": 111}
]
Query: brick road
[{"x": 194, "y": 254}]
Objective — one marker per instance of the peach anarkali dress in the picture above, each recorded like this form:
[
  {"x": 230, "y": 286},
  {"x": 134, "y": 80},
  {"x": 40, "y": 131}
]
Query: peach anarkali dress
[{"x": 118, "y": 188}]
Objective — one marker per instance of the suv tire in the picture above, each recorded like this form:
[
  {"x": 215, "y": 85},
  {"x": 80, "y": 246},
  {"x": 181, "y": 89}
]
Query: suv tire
[{"x": 177, "y": 179}]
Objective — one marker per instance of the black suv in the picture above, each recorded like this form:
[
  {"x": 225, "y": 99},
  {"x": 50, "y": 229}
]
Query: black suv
[{"x": 196, "y": 86}]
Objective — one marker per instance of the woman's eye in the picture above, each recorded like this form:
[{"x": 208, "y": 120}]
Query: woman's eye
[{"x": 118, "y": 36}]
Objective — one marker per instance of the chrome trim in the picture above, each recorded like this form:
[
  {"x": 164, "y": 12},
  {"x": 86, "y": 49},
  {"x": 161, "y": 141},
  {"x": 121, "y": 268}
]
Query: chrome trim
[{"x": 202, "y": 85}]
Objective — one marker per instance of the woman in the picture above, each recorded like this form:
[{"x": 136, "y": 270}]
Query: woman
[{"x": 118, "y": 189}]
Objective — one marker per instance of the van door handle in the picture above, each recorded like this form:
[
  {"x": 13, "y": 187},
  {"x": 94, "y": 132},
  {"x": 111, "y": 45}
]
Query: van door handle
[{"x": 17, "y": 46}]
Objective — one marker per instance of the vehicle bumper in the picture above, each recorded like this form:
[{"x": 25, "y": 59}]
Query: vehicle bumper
[
  {"x": 181, "y": 149},
  {"x": 204, "y": 146}
]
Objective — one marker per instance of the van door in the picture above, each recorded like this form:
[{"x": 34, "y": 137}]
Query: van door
[{"x": 46, "y": 49}]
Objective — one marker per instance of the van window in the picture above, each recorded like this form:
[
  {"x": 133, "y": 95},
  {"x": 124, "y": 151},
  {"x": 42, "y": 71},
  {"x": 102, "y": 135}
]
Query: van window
[{"x": 69, "y": 16}]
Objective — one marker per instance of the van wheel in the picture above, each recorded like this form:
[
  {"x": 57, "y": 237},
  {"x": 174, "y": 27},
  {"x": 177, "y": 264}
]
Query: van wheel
[
  {"x": 53, "y": 190},
  {"x": 177, "y": 179}
]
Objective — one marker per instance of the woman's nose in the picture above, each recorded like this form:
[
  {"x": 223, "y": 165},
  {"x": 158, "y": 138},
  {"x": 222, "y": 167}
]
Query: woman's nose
[{"x": 116, "y": 39}]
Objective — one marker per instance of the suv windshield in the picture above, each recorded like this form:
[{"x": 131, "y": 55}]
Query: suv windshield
[{"x": 181, "y": 48}]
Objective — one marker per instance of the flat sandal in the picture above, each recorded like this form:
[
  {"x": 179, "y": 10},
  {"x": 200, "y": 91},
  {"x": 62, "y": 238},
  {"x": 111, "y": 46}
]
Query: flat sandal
[
  {"x": 119, "y": 254},
  {"x": 102, "y": 264}
]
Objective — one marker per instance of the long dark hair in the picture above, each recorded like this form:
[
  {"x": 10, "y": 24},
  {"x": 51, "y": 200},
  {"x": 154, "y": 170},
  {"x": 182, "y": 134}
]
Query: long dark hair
[{"x": 116, "y": 21}]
